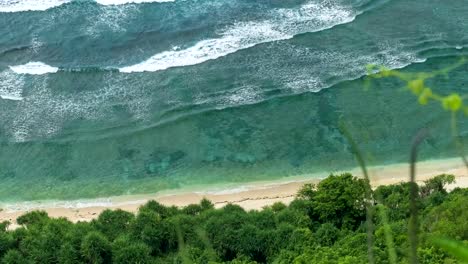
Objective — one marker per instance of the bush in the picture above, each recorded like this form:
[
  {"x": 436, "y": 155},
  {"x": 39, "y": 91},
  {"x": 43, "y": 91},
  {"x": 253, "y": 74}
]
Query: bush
[
  {"x": 6, "y": 243},
  {"x": 113, "y": 223},
  {"x": 127, "y": 252},
  {"x": 69, "y": 255},
  {"x": 159, "y": 209},
  {"x": 151, "y": 229},
  {"x": 396, "y": 199},
  {"x": 436, "y": 185},
  {"x": 327, "y": 234},
  {"x": 338, "y": 199},
  {"x": 13, "y": 256},
  {"x": 278, "y": 206},
  {"x": 450, "y": 218},
  {"x": 33, "y": 218},
  {"x": 96, "y": 248}
]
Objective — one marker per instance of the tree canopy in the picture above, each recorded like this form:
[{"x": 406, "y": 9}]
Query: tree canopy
[{"x": 324, "y": 224}]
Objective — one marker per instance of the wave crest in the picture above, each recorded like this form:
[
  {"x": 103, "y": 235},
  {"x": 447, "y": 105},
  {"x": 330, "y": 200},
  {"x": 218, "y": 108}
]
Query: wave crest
[
  {"x": 29, "y": 5},
  {"x": 10, "y": 6},
  {"x": 283, "y": 24},
  {"x": 34, "y": 68},
  {"x": 123, "y": 2}
]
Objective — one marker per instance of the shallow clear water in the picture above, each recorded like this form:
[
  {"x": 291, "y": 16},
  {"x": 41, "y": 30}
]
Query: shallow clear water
[{"x": 101, "y": 98}]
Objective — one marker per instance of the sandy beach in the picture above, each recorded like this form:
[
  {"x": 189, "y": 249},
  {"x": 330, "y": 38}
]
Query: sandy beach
[{"x": 250, "y": 196}]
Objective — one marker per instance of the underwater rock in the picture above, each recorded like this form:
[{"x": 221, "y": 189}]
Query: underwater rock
[{"x": 160, "y": 162}]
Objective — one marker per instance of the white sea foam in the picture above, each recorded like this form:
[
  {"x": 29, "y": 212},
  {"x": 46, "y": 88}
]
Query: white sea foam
[
  {"x": 29, "y": 5},
  {"x": 250, "y": 35},
  {"x": 112, "y": 18},
  {"x": 11, "y": 86},
  {"x": 42, "y": 112},
  {"x": 243, "y": 95},
  {"x": 35, "y": 68},
  {"x": 42, "y": 5},
  {"x": 72, "y": 204},
  {"x": 10, "y": 97},
  {"x": 226, "y": 190},
  {"x": 243, "y": 188},
  {"x": 36, "y": 44},
  {"x": 283, "y": 24},
  {"x": 37, "y": 205},
  {"x": 122, "y": 2}
]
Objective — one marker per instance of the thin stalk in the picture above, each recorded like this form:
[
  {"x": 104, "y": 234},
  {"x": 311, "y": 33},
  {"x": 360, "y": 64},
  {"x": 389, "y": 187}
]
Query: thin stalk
[
  {"x": 456, "y": 137},
  {"x": 369, "y": 207},
  {"x": 413, "y": 226},
  {"x": 201, "y": 233},
  {"x": 182, "y": 250},
  {"x": 388, "y": 233}
]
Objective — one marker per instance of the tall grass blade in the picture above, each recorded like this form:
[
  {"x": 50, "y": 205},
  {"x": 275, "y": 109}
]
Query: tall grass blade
[
  {"x": 458, "y": 142},
  {"x": 453, "y": 247},
  {"x": 413, "y": 227},
  {"x": 369, "y": 204}
]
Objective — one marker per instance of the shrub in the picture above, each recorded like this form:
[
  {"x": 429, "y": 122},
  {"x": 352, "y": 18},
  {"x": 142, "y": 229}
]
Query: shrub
[
  {"x": 113, "y": 223},
  {"x": 130, "y": 252},
  {"x": 13, "y": 256},
  {"x": 96, "y": 248},
  {"x": 33, "y": 218}
]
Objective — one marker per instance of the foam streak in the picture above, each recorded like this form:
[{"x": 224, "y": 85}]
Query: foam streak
[
  {"x": 35, "y": 68},
  {"x": 10, "y": 6},
  {"x": 29, "y": 5},
  {"x": 283, "y": 24}
]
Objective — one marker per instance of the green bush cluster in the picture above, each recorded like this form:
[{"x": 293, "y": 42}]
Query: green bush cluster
[{"x": 326, "y": 223}]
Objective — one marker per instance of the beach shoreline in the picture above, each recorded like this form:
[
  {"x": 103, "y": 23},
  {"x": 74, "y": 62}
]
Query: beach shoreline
[{"x": 250, "y": 195}]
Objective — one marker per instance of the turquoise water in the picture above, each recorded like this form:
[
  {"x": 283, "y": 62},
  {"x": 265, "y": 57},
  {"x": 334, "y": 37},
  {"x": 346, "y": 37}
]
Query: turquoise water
[{"x": 109, "y": 97}]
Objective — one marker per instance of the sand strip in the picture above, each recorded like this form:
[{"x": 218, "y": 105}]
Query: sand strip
[{"x": 250, "y": 196}]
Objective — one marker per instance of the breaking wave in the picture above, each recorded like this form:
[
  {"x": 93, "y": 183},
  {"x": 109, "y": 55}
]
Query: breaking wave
[{"x": 283, "y": 24}]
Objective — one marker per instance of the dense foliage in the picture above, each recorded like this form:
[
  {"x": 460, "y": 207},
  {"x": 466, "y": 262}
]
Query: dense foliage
[{"x": 325, "y": 224}]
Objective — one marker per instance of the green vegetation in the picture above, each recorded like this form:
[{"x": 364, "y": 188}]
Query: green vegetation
[
  {"x": 340, "y": 220},
  {"x": 325, "y": 224}
]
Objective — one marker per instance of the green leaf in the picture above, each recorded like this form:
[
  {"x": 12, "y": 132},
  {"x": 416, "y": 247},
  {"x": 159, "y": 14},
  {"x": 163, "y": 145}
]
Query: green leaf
[
  {"x": 455, "y": 248},
  {"x": 416, "y": 86},
  {"x": 453, "y": 102},
  {"x": 425, "y": 96}
]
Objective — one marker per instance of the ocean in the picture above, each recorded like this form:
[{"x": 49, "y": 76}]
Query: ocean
[{"x": 115, "y": 97}]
